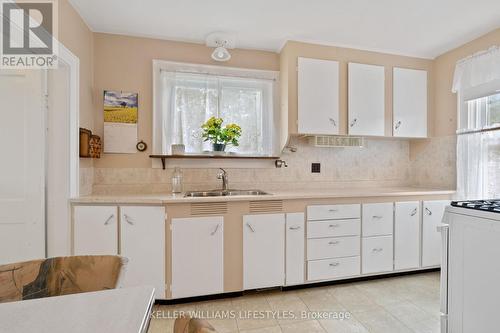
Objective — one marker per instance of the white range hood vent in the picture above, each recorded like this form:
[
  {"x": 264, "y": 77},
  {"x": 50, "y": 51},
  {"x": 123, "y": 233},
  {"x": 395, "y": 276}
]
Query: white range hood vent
[{"x": 330, "y": 141}]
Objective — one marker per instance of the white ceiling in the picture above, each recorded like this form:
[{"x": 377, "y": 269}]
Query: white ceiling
[{"x": 423, "y": 28}]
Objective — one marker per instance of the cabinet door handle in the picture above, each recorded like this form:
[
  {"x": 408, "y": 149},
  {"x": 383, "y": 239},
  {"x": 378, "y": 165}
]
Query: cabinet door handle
[
  {"x": 428, "y": 211},
  {"x": 294, "y": 228},
  {"x": 250, "y": 226},
  {"x": 333, "y": 225},
  {"x": 354, "y": 121},
  {"x": 334, "y": 264},
  {"x": 377, "y": 217},
  {"x": 108, "y": 220},
  {"x": 333, "y": 243},
  {"x": 414, "y": 212},
  {"x": 128, "y": 219},
  {"x": 334, "y": 123},
  {"x": 215, "y": 230},
  {"x": 398, "y": 124},
  {"x": 379, "y": 249}
]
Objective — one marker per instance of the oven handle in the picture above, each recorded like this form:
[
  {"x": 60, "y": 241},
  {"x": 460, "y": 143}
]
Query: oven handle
[{"x": 444, "y": 230}]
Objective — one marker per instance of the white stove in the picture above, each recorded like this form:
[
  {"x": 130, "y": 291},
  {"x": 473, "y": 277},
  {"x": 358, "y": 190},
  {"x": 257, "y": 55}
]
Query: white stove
[{"x": 470, "y": 271}]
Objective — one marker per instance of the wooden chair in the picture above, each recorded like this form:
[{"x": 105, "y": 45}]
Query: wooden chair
[
  {"x": 59, "y": 276},
  {"x": 192, "y": 325}
]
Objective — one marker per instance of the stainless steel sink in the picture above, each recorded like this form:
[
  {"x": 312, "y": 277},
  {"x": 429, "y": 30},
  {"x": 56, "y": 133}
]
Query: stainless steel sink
[{"x": 223, "y": 193}]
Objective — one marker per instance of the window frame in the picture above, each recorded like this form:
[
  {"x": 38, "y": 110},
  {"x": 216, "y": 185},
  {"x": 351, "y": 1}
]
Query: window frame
[{"x": 221, "y": 71}]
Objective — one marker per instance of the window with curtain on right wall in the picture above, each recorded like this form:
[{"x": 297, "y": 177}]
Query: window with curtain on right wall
[{"x": 477, "y": 82}]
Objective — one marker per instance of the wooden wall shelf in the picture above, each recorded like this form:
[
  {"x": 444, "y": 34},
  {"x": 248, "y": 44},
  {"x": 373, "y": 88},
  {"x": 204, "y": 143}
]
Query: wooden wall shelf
[{"x": 163, "y": 158}]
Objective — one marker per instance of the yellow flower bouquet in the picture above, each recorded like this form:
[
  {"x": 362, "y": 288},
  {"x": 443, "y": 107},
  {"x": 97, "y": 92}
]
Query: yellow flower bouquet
[{"x": 220, "y": 136}]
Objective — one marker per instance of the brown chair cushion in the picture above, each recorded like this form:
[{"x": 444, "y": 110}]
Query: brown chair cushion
[
  {"x": 58, "y": 276},
  {"x": 192, "y": 325}
]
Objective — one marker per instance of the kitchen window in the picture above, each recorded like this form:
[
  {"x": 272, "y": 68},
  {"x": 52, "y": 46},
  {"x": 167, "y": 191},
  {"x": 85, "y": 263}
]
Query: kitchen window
[
  {"x": 187, "y": 95},
  {"x": 477, "y": 84},
  {"x": 478, "y": 149}
]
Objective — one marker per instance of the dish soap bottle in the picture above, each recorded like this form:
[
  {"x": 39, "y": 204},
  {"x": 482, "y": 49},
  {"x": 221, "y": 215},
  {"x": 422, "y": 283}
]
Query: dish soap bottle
[{"x": 177, "y": 180}]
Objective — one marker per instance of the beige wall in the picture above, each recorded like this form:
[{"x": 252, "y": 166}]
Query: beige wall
[{"x": 125, "y": 63}]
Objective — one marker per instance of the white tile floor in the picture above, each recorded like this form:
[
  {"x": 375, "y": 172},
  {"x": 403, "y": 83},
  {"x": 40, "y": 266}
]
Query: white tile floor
[{"x": 400, "y": 304}]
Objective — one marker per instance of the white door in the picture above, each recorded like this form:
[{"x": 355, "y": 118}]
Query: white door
[
  {"x": 197, "y": 256},
  {"x": 142, "y": 241},
  {"x": 432, "y": 215},
  {"x": 318, "y": 96},
  {"x": 295, "y": 247},
  {"x": 22, "y": 170},
  {"x": 366, "y": 99},
  {"x": 407, "y": 235},
  {"x": 95, "y": 230},
  {"x": 409, "y": 103},
  {"x": 263, "y": 250}
]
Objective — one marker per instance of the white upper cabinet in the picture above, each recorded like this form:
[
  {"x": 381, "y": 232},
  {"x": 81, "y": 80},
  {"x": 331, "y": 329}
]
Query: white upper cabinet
[
  {"x": 409, "y": 103},
  {"x": 366, "y": 99},
  {"x": 318, "y": 96}
]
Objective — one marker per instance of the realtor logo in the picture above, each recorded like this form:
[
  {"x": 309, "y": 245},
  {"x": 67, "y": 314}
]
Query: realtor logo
[{"x": 28, "y": 34}]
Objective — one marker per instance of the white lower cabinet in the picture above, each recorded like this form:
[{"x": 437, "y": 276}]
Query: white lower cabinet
[
  {"x": 294, "y": 252},
  {"x": 95, "y": 230},
  {"x": 142, "y": 241},
  {"x": 197, "y": 256},
  {"x": 263, "y": 250},
  {"x": 432, "y": 215},
  {"x": 377, "y": 219},
  {"x": 332, "y": 268},
  {"x": 335, "y": 247},
  {"x": 377, "y": 254},
  {"x": 407, "y": 235}
]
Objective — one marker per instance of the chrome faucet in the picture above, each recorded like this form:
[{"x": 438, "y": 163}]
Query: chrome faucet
[{"x": 225, "y": 181}]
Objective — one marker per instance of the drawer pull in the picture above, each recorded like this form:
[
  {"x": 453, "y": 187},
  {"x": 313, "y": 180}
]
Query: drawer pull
[
  {"x": 377, "y": 250},
  {"x": 294, "y": 228},
  {"x": 333, "y": 225},
  {"x": 250, "y": 226},
  {"x": 109, "y": 219},
  {"x": 332, "y": 210},
  {"x": 333, "y": 243},
  {"x": 414, "y": 212},
  {"x": 334, "y": 264},
  {"x": 377, "y": 217},
  {"x": 128, "y": 219}
]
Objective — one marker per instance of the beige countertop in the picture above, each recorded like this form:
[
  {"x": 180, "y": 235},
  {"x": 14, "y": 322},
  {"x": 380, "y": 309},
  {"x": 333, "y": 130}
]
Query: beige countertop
[{"x": 168, "y": 198}]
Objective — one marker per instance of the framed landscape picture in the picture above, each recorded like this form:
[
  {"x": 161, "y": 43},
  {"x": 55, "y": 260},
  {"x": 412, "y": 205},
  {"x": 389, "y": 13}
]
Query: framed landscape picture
[{"x": 120, "y": 121}]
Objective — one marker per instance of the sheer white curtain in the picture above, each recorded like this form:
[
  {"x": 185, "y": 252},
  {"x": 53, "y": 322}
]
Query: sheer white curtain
[
  {"x": 188, "y": 100},
  {"x": 477, "y": 81}
]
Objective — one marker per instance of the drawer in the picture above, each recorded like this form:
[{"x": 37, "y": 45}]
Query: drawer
[
  {"x": 377, "y": 253},
  {"x": 377, "y": 219},
  {"x": 324, "y": 248},
  {"x": 334, "y": 228},
  {"x": 332, "y": 268},
  {"x": 329, "y": 212}
]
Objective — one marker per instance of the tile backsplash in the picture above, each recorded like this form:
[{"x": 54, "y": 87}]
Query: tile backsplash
[{"x": 381, "y": 162}]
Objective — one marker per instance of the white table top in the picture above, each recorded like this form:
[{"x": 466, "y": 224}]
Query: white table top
[{"x": 124, "y": 310}]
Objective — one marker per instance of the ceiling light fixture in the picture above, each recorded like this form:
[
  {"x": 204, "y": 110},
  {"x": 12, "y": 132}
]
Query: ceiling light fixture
[
  {"x": 222, "y": 42},
  {"x": 221, "y": 53}
]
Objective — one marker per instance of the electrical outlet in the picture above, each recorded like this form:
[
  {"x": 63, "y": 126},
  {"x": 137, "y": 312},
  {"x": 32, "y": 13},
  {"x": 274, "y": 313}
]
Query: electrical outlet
[{"x": 315, "y": 167}]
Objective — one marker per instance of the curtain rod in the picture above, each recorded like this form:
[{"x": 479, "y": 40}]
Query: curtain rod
[
  {"x": 490, "y": 129},
  {"x": 212, "y": 74}
]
